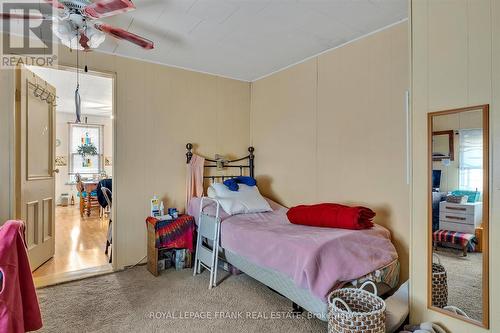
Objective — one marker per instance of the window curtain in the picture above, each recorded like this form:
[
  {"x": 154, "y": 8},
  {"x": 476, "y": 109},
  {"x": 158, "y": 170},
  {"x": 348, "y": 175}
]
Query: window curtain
[{"x": 471, "y": 159}]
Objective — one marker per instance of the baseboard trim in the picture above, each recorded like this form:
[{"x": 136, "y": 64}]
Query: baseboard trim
[{"x": 60, "y": 278}]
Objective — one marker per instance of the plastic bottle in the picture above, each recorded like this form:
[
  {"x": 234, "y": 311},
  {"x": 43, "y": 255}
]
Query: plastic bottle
[
  {"x": 162, "y": 209},
  {"x": 155, "y": 206}
]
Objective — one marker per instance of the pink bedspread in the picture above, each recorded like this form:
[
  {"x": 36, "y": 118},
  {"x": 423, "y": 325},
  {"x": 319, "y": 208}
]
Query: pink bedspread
[{"x": 315, "y": 258}]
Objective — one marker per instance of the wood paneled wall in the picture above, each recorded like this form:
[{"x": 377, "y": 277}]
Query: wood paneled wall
[
  {"x": 334, "y": 129},
  {"x": 456, "y": 63},
  {"x": 158, "y": 110}
]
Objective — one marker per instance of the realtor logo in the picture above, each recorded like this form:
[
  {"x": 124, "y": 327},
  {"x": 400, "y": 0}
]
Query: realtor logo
[{"x": 27, "y": 34}]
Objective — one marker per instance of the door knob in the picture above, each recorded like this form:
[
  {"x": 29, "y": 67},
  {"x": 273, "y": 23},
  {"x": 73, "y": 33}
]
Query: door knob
[{"x": 55, "y": 170}]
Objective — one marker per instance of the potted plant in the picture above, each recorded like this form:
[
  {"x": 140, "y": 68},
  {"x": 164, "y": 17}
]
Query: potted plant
[
  {"x": 88, "y": 149},
  {"x": 85, "y": 150}
]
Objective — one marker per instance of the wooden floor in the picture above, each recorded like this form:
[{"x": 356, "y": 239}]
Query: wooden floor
[{"x": 80, "y": 243}]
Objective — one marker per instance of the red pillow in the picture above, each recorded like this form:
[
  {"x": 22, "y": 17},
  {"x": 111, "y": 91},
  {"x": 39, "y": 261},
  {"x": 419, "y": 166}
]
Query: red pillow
[{"x": 332, "y": 215}]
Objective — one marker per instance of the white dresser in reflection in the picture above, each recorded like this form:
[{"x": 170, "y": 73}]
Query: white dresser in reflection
[{"x": 460, "y": 217}]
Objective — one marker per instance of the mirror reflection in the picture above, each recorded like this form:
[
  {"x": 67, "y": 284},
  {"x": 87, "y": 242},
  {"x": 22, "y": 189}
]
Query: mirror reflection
[{"x": 459, "y": 224}]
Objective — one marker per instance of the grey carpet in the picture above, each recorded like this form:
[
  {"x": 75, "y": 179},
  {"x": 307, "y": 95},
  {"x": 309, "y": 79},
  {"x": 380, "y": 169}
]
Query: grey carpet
[
  {"x": 464, "y": 280},
  {"x": 136, "y": 301}
]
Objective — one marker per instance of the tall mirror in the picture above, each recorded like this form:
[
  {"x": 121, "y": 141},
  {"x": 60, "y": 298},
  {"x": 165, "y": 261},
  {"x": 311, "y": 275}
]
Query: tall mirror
[{"x": 458, "y": 213}]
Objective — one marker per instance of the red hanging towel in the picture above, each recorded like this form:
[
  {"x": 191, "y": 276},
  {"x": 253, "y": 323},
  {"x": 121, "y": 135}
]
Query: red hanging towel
[
  {"x": 19, "y": 310},
  {"x": 332, "y": 215}
]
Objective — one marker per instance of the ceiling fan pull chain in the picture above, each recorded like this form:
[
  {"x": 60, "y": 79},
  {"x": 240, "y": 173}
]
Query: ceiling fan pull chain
[
  {"x": 77, "y": 60},
  {"x": 86, "y": 70},
  {"x": 77, "y": 93},
  {"x": 78, "y": 104}
]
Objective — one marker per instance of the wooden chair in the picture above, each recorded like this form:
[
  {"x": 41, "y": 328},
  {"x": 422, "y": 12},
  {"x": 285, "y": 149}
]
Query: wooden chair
[
  {"x": 88, "y": 201},
  {"x": 107, "y": 196}
]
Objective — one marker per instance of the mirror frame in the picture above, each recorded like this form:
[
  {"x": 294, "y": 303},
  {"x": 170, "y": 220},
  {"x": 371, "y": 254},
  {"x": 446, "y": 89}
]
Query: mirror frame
[
  {"x": 451, "y": 145},
  {"x": 486, "y": 209}
]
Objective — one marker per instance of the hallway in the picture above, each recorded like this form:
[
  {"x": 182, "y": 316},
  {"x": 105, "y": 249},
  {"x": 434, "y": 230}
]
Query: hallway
[{"x": 80, "y": 243}]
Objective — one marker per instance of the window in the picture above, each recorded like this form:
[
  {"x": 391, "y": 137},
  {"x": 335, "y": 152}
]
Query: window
[
  {"x": 84, "y": 134},
  {"x": 471, "y": 160}
]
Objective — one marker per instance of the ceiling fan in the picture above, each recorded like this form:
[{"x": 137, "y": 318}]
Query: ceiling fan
[{"x": 76, "y": 26}]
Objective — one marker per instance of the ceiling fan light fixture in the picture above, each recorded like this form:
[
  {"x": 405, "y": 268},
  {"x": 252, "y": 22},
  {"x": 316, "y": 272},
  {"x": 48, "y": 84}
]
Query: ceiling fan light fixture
[
  {"x": 74, "y": 26},
  {"x": 69, "y": 36},
  {"x": 62, "y": 29},
  {"x": 66, "y": 34},
  {"x": 96, "y": 37}
]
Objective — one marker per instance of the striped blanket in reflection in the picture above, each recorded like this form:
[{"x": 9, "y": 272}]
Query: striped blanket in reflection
[{"x": 455, "y": 237}]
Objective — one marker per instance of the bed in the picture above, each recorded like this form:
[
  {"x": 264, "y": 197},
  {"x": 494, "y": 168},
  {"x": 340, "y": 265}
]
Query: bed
[{"x": 299, "y": 262}]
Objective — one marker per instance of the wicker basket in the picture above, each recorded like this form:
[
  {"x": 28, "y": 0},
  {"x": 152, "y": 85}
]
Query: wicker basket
[
  {"x": 353, "y": 310},
  {"x": 458, "y": 199},
  {"x": 439, "y": 284}
]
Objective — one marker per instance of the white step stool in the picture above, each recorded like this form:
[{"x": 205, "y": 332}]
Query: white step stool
[{"x": 208, "y": 232}]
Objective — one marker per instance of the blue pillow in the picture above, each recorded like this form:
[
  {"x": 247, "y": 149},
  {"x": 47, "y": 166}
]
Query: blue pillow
[{"x": 232, "y": 184}]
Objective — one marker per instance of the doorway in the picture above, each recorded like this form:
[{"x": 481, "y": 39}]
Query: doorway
[{"x": 83, "y": 162}]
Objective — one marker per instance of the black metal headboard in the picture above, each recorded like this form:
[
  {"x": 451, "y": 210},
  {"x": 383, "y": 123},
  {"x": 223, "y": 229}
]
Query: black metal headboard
[{"x": 209, "y": 163}]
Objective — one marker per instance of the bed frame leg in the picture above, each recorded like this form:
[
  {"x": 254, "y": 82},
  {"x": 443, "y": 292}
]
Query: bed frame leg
[{"x": 297, "y": 308}]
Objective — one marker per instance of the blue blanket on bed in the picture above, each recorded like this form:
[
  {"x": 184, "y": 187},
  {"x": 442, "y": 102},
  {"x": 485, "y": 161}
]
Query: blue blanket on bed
[{"x": 232, "y": 183}]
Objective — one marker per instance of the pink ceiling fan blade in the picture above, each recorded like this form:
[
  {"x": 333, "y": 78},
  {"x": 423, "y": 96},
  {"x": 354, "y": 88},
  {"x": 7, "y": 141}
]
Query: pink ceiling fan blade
[
  {"x": 105, "y": 8},
  {"x": 123, "y": 34},
  {"x": 14, "y": 16},
  {"x": 55, "y": 4}
]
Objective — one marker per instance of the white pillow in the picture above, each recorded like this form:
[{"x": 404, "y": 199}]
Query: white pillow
[{"x": 244, "y": 201}]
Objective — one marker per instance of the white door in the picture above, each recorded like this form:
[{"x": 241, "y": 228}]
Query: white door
[{"x": 35, "y": 148}]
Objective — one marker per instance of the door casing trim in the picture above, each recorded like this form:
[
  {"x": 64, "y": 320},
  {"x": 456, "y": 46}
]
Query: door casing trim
[{"x": 14, "y": 157}]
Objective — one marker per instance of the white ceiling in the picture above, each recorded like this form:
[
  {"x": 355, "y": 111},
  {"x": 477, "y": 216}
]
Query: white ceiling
[
  {"x": 247, "y": 39},
  {"x": 96, "y": 92}
]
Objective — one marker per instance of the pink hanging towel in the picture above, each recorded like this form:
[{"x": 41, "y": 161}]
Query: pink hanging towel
[
  {"x": 194, "y": 178},
  {"x": 19, "y": 310}
]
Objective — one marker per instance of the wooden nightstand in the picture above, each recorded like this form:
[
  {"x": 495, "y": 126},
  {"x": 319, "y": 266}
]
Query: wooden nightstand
[{"x": 171, "y": 234}]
